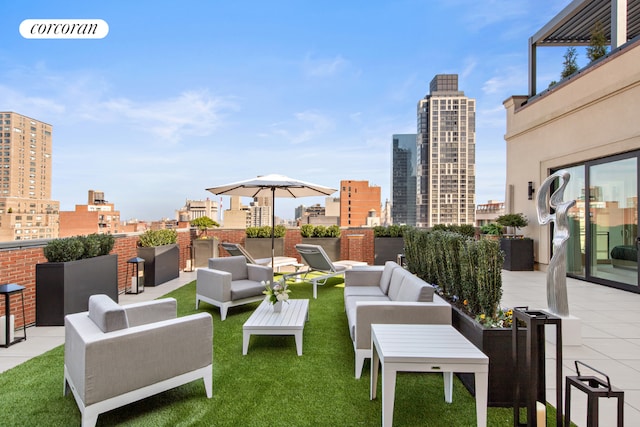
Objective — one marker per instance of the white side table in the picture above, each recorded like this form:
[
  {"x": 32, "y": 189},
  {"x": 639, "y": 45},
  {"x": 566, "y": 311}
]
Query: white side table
[{"x": 425, "y": 348}]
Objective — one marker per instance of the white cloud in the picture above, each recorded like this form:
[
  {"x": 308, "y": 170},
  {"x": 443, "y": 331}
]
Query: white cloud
[
  {"x": 307, "y": 126},
  {"x": 324, "y": 67}
]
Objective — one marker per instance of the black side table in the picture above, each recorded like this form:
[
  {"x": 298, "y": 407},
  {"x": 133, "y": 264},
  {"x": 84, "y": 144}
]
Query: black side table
[{"x": 7, "y": 291}]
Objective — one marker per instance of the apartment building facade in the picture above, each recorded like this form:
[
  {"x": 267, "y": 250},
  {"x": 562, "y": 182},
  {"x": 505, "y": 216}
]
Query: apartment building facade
[
  {"x": 445, "y": 184},
  {"x": 97, "y": 216},
  {"x": 26, "y": 209},
  {"x": 358, "y": 202},
  {"x": 403, "y": 179}
]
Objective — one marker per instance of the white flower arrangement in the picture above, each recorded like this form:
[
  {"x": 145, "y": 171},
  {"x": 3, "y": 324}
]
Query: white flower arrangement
[{"x": 277, "y": 292}]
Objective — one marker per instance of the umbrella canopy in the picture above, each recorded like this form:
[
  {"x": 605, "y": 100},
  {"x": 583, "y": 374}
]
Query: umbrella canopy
[{"x": 276, "y": 186}]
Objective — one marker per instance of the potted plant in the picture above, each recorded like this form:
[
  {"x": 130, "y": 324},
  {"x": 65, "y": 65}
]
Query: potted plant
[
  {"x": 161, "y": 256},
  {"x": 467, "y": 273},
  {"x": 518, "y": 250},
  {"x": 77, "y": 268},
  {"x": 327, "y": 237},
  {"x": 491, "y": 231},
  {"x": 388, "y": 243},
  {"x": 258, "y": 241},
  {"x": 204, "y": 247}
]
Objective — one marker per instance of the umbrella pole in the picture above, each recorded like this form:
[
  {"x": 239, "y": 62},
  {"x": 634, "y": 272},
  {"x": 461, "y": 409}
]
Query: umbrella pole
[{"x": 273, "y": 224}]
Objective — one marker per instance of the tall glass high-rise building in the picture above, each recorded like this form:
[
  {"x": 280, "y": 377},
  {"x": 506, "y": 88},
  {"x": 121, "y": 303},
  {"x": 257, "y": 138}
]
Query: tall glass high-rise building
[
  {"x": 403, "y": 179},
  {"x": 446, "y": 156}
]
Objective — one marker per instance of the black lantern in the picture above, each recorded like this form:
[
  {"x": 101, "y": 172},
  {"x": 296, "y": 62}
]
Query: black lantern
[{"x": 137, "y": 275}]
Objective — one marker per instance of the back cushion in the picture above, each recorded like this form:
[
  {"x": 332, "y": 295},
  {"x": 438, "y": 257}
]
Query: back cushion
[
  {"x": 236, "y": 265},
  {"x": 385, "y": 279},
  {"x": 397, "y": 276},
  {"x": 107, "y": 314},
  {"x": 415, "y": 290}
]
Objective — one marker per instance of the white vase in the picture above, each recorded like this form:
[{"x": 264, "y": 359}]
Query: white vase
[{"x": 277, "y": 307}]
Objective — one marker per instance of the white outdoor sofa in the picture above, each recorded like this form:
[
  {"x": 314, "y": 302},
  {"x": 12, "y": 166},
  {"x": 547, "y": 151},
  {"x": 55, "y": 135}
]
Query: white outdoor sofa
[
  {"x": 115, "y": 355},
  {"x": 388, "y": 294}
]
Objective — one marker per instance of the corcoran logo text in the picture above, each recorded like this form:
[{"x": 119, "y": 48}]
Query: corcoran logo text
[{"x": 64, "y": 29}]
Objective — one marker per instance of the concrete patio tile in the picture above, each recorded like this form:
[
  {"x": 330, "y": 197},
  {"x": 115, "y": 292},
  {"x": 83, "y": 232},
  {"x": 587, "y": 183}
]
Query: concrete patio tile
[
  {"x": 612, "y": 348},
  {"x": 594, "y": 330},
  {"x": 617, "y": 329}
]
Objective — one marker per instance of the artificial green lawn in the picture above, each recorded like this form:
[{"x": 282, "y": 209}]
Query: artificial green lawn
[{"x": 270, "y": 386}]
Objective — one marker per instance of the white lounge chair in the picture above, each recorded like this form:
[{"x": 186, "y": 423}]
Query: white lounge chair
[
  {"x": 318, "y": 261},
  {"x": 235, "y": 249}
]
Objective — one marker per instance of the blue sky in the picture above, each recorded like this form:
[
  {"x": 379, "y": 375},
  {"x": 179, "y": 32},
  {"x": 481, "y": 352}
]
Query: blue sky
[{"x": 182, "y": 96}]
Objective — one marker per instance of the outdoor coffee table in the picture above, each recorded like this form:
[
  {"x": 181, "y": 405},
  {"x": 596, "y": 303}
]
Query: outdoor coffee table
[
  {"x": 264, "y": 321},
  {"x": 425, "y": 348}
]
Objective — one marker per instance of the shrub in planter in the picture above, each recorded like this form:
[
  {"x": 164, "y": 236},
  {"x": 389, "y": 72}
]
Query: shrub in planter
[
  {"x": 151, "y": 238},
  {"x": 78, "y": 247},
  {"x": 306, "y": 230},
  {"x": 161, "y": 254},
  {"x": 516, "y": 221},
  {"x": 203, "y": 223},
  {"x": 310, "y": 230},
  {"x": 264, "y": 231},
  {"x": 78, "y": 267}
]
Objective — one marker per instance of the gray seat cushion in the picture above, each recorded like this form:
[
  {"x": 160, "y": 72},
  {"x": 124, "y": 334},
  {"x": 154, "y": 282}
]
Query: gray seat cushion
[
  {"x": 245, "y": 289},
  {"x": 414, "y": 289},
  {"x": 385, "y": 279},
  {"x": 363, "y": 291}
]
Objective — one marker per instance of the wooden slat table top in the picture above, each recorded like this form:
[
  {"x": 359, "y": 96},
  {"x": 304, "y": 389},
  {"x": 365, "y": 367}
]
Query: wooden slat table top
[
  {"x": 293, "y": 315},
  {"x": 424, "y": 344}
]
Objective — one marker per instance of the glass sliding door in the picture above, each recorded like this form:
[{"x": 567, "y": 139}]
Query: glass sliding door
[{"x": 613, "y": 220}]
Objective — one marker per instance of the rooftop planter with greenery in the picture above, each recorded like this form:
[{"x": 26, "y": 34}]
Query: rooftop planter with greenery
[
  {"x": 327, "y": 237},
  {"x": 77, "y": 268},
  {"x": 518, "y": 250},
  {"x": 161, "y": 256},
  {"x": 204, "y": 247},
  {"x": 388, "y": 243},
  {"x": 258, "y": 241},
  {"x": 468, "y": 273}
]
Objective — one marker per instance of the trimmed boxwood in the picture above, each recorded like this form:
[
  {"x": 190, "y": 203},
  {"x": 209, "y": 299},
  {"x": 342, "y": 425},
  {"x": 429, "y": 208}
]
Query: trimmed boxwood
[{"x": 78, "y": 247}]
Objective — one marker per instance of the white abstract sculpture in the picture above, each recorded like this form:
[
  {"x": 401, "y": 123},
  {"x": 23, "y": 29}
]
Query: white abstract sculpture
[{"x": 557, "y": 271}]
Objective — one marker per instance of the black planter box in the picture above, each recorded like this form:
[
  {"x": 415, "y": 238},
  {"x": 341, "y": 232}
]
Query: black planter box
[
  {"x": 161, "y": 263},
  {"x": 518, "y": 254},
  {"x": 65, "y": 287},
  {"x": 331, "y": 245},
  {"x": 387, "y": 249},
  {"x": 496, "y": 343},
  {"x": 203, "y": 249},
  {"x": 260, "y": 247}
]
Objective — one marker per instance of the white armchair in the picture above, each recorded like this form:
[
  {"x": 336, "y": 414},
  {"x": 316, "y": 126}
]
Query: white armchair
[
  {"x": 231, "y": 281},
  {"x": 115, "y": 355}
]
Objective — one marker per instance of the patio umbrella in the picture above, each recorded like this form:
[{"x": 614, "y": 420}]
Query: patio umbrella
[{"x": 276, "y": 186}]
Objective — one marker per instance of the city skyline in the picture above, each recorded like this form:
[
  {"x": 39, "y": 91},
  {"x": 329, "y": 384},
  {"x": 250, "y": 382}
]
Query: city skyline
[{"x": 212, "y": 93}]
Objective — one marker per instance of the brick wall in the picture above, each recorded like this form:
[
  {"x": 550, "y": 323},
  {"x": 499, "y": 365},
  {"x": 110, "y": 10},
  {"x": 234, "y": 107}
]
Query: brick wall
[{"x": 18, "y": 263}]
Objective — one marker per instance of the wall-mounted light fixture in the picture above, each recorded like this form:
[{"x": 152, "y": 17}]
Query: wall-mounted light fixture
[{"x": 530, "y": 190}]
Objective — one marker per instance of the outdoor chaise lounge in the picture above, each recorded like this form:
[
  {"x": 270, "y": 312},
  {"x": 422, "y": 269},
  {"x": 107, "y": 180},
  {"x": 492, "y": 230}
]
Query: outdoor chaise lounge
[
  {"x": 235, "y": 249},
  {"x": 231, "y": 281},
  {"x": 115, "y": 355},
  {"x": 318, "y": 261}
]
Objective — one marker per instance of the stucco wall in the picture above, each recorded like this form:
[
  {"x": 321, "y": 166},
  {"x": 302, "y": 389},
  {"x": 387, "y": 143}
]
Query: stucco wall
[{"x": 591, "y": 115}]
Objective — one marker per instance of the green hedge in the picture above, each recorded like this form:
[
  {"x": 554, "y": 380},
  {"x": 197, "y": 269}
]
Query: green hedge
[
  {"x": 78, "y": 247},
  {"x": 390, "y": 230},
  {"x": 310, "y": 230},
  {"x": 462, "y": 268},
  {"x": 265, "y": 231},
  {"x": 151, "y": 238}
]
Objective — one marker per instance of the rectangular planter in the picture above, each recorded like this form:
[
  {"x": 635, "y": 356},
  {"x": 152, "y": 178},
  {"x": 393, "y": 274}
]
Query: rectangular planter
[
  {"x": 203, "y": 249},
  {"x": 65, "y": 287},
  {"x": 161, "y": 263},
  {"x": 387, "y": 249},
  {"x": 518, "y": 254},
  {"x": 260, "y": 247},
  {"x": 331, "y": 245},
  {"x": 496, "y": 343}
]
